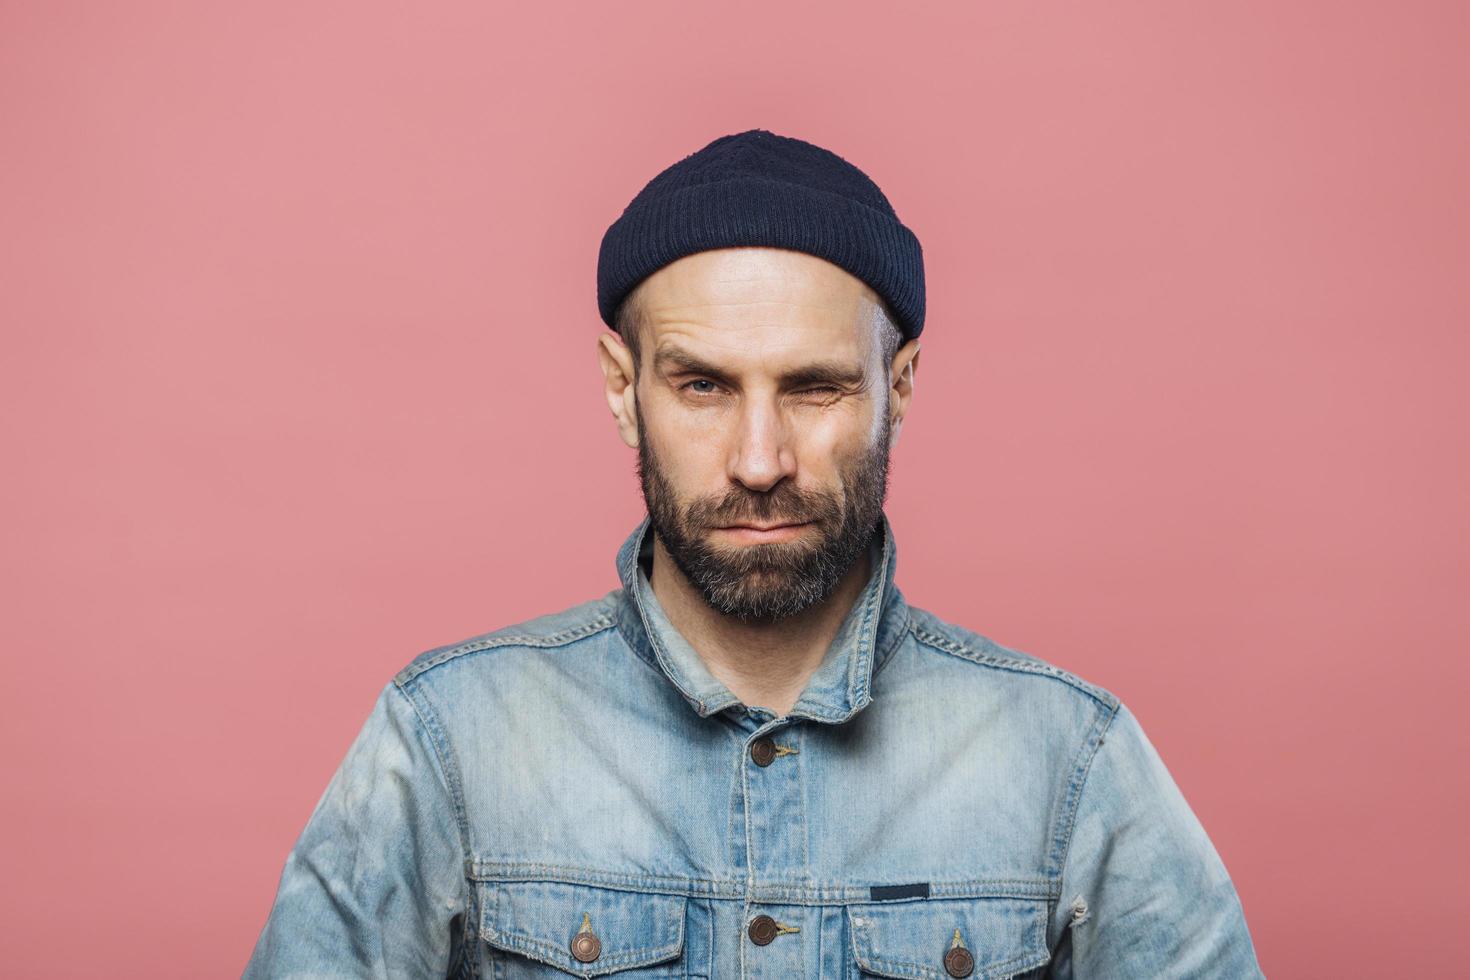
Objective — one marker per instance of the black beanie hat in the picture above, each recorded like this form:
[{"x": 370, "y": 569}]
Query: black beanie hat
[{"x": 758, "y": 188}]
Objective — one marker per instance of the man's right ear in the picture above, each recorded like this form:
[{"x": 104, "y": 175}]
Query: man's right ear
[{"x": 617, "y": 375}]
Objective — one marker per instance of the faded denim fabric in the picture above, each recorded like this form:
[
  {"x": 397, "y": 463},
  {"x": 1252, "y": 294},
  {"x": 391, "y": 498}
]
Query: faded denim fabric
[{"x": 584, "y": 772}]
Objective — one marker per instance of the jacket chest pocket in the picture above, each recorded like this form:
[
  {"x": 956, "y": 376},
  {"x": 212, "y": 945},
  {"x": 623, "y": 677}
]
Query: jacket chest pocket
[
  {"x": 550, "y": 929},
  {"x": 949, "y": 939}
]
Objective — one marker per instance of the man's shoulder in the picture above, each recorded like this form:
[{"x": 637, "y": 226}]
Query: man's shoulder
[
  {"x": 976, "y": 648},
  {"x": 545, "y": 632}
]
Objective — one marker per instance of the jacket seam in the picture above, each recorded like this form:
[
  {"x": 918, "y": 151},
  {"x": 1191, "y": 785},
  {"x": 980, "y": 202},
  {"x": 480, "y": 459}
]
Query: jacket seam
[
  {"x": 1082, "y": 769},
  {"x": 832, "y": 894},
  {"x": 964, "y": 652},
  {"x": 449, "y": 774},
  {"x": 543, "y": 641}
]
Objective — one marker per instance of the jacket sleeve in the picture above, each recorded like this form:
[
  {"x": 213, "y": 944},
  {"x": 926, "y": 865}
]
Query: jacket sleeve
[
  {"x": 1144, "y": 893},
  {"x": 375, "y": 885}
]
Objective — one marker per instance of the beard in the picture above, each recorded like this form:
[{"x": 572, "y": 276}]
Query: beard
[{"x": 771, "y": 580}]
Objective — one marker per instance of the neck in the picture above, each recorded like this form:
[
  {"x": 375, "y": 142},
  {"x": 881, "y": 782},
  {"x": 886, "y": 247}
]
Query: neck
[{"x": 764, "y": 664}]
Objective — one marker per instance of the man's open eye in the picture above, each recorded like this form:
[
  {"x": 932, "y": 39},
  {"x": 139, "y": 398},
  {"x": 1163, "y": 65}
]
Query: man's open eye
[{"x": 702, "y": 381}]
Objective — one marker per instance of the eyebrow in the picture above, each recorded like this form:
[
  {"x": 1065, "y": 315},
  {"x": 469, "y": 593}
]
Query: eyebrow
[{"x": 669, "y": 360}]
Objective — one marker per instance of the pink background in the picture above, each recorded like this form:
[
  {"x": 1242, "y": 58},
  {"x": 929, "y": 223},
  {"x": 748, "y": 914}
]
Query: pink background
[{"x": 299, "y": 380}]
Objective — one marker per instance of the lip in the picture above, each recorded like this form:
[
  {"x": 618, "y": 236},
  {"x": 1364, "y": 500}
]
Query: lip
[
  {"x": 757, "y": 534},
  {"x": 763, "y": 527}
]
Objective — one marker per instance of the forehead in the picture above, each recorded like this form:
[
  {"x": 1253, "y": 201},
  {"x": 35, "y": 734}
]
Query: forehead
[{"x": 759, "y": 304}]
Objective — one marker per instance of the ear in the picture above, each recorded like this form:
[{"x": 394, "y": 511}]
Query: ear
[
  {"x": 901, "y": 378},
  {"x": 617, "y": 375}
]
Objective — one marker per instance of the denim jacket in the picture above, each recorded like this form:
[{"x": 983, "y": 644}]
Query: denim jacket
[{"x": 577, "y": 795}]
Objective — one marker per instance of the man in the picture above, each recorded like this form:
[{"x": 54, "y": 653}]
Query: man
[{"x": 755, "y": 758}]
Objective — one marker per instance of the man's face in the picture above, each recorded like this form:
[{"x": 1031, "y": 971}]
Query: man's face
[{"x": 763, "y": 425}]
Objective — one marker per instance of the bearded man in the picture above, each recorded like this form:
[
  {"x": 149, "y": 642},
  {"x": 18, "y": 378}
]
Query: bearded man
[{"x": 754, "y": 758}]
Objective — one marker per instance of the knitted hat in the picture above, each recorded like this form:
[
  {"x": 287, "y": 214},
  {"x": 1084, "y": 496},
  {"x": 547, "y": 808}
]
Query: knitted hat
[{"x": 758, "y": 188}]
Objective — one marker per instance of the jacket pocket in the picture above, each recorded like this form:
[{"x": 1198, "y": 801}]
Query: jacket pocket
[
  {"x": 942, "y": 939},
  {"x": 552, "y": 928}
]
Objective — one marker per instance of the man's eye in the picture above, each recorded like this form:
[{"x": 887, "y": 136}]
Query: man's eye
[{"x": 702, "y": 381}]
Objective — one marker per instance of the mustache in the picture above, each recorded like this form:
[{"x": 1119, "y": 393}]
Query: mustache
[{"x": 784, "y": 505}]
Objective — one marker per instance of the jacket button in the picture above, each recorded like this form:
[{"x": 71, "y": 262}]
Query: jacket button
[
  {"x": 763, "y": 751},
  {"x": 762, "y": 929},
  {"x": 958, "y": 962},
  {"x": 586, "y": 947}
]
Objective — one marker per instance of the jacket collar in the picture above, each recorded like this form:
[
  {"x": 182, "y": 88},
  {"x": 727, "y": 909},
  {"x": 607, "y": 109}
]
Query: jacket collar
[{"x": 841, "y": 685}]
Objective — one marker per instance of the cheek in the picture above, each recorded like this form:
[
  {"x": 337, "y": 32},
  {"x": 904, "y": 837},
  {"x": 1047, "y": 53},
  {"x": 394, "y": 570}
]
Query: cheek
[
  {"x": 691, "y": 454},
  {"x": 825, "y": 451}
]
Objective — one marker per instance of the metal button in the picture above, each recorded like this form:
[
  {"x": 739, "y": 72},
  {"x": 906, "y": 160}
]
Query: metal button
[
  {"x": 958, "y": 962},
  {"x": 586, "y": 947},
  {"x": 762, "y": 930},
  {"x": 763, "y": 751}
]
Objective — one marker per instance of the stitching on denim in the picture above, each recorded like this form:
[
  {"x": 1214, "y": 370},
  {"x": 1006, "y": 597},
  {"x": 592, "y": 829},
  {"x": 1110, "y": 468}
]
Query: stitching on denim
[
  {"x": 428, "y": 718},
  {"x": 492, "y": 913},
  {"x": 1082, "y": 770},
  {"x": 958, "y": 649},
  {"x": 821, "y": 931},
  {"x": 625, "y": 633},
  {"x": 1021, "y": 961},
  {"x": 747, "y": 857},
  {"x": 802, "y": 783},
  {"x": 860, "y": 668},
  {"x": 556, "y": 956},
  {"x": 489, "y": 872},
  {"x": 494, "y": 641},
  {"x": 972, "y": 888},
  {"x": 886, "y": 656},
  {"x": 525, "y": 871},
  {"x": 1024, "y": 961},
  {"x": 672, "y": 913},
  {"x": 707, "y": 968},
  {"x": 656, "y": 644}
]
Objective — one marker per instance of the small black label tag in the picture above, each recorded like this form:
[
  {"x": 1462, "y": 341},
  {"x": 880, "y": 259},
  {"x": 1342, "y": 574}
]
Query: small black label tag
[{"x": 885, "y": 893}]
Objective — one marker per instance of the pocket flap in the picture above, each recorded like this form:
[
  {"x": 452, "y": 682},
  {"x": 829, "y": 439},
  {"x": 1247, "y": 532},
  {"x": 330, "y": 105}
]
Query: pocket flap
[
  {"x": 910, "y": 940},
  {"x": 540, "y": 920}
]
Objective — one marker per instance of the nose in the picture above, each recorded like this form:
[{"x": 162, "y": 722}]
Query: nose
[{"x": 762, "y": 455}]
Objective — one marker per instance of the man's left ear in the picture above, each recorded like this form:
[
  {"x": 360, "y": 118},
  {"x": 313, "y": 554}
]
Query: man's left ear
[{"x": 901, "y": 380}]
